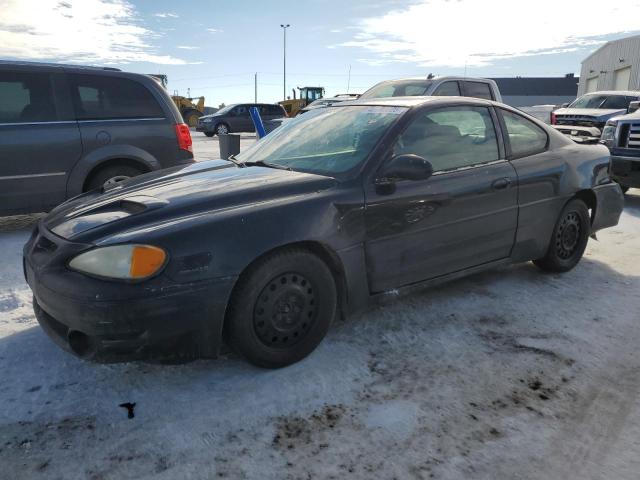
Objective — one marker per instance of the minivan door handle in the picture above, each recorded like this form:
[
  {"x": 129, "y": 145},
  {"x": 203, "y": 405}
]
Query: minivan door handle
[{"x": 501, "y": 183}]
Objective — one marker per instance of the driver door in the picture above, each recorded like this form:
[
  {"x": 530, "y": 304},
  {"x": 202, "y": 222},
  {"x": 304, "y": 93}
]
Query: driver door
[{"x": 464, "y": 215}]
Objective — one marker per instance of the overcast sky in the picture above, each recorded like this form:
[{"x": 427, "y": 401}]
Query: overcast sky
[{"x": 214, "y": 48}]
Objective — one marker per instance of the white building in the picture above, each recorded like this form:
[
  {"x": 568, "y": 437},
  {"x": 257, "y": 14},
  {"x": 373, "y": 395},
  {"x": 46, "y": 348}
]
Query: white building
[{"x": 613, "y": 66}]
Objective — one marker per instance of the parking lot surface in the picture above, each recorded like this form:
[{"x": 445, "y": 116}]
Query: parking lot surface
[{"x": 507, "y": 374}]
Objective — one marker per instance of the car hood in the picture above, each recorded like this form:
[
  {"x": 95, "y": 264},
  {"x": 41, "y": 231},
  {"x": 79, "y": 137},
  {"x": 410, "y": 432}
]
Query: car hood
[
  {"x": 599, "y": 113},
  {"x": 205, "y": 186}
]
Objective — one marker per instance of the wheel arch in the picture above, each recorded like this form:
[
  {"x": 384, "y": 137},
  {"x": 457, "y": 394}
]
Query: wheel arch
[
  {"x": 319, "y": 249},
  {"x": 99, "y": 158},
  {"x": 129, "y": 162},
  {"x": 589, "y": 198}
]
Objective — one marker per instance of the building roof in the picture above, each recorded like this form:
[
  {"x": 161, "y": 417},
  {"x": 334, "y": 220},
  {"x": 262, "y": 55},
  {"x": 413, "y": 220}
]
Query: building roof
[
  {"x": 610, "y": 42},
  {"x": 538, "y": 86}
]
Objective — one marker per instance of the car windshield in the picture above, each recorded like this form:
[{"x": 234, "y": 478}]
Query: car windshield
[
  {"x": 327, "y": 141},
  {"x": 398, "y": 88},
  {"x": 603, "y": 101},
  {"x": 224, "y": 110}
]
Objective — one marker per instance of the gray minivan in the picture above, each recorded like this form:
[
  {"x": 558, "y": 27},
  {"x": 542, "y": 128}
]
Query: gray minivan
[
  {"x": 236, "y": 118},
  {"x": 68, "y": 129}
]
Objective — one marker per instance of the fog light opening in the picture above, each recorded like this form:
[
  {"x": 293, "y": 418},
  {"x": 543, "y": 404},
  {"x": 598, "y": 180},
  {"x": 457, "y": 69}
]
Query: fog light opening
[{"x": 80, "y": 343}]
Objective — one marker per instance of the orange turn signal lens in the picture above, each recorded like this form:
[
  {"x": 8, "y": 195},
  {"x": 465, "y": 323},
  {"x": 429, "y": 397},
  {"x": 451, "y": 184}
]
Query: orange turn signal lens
[{"x": 146, "y": 260}]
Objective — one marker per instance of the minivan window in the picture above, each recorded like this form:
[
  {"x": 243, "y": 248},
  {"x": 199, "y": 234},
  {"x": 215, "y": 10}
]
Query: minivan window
[
  {"x": 102, "y": 97},
  {"x": 451, "y": 138},
  {"x": 240, "y": 110},
  {"x": 276, "y": 110},
  {"x": 478, "y": 90},
  {"x": 26, "y": 97}
]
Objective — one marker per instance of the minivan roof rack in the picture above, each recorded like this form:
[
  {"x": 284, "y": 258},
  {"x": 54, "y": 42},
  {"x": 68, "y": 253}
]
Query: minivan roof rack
[{"x": 52, "y": 64}]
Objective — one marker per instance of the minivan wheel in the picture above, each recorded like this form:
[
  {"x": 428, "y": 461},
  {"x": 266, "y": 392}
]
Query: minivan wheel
[
  {"x": 222, "y": 129},
  {"x": 110, "y": 176},
  {"x": 281, "y": 308},
  {"x": 569, "y": 239}
]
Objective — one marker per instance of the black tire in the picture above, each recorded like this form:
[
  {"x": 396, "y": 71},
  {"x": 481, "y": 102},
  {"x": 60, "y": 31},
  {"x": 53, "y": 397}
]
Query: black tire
[
  {"x": 569, "y": 239},
  {"x": 624, "y": 188},
  {"x": 209, "y": 134},
  {"x": 222, "y": 128},
  {"x": 111, "y": 173},
  {"x": 281, "y": 308}
]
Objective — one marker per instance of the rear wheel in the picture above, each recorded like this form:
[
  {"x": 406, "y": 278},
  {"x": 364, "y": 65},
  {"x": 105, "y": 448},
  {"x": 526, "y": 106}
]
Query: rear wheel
[
  {"x": 282, "y": 308},
  {"x": 209, "y": 134},
  {"x": 111, "y": 175},
  {"x": 569, "y": 240}
]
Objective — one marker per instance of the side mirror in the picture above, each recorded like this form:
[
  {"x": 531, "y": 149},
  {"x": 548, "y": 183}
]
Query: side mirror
[
  {"x": 405, "y": 167},
  {"x": 633, "y": 107},
  {"x": 564, "y": 105}
]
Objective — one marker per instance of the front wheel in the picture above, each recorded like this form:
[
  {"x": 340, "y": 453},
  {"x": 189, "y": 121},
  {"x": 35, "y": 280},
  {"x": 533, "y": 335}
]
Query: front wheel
[
  {"x": 281, "y": 308},
  {"x": 209, "y": 134},
  {"x": 569, "y": 239},
  {"x": 222, "y": 129}
]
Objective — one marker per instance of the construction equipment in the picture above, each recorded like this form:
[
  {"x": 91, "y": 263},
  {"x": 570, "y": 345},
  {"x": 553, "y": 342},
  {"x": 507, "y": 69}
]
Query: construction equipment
[
  {"x": 190, "y": 111},
  {"x": 307, "y": 95}
]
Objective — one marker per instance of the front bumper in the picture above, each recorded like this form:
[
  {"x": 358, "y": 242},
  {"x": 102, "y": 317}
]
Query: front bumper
[
  {"x": 580, "y": 134},
  {"x": 113, "y": 321},
  {"x": 609, "y": 206},
  {"x": 204, "y": 127},
  {"x": 626, "y": 169}
]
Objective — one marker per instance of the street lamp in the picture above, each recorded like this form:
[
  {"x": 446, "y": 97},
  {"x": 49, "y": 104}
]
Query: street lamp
[{"x": 284, "y": 62}]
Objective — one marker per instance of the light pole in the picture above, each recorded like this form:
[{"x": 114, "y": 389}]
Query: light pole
[{"x": 284, "y": 62}]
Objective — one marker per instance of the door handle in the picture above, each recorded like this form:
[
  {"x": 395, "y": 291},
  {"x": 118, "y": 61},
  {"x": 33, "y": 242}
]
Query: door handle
[{"x": 501, "y": 183}]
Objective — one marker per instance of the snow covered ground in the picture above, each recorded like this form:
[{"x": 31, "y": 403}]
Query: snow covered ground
[{"x": 507, "y": 374}]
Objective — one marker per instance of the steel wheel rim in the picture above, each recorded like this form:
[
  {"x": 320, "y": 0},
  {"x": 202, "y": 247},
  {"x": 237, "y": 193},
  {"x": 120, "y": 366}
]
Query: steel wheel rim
[
  {"x": 285, "y": 311},
  {"x": 568, "y": 235},
  {"x": 115, "y": 180},
  {"x": 222, "y": 130}
]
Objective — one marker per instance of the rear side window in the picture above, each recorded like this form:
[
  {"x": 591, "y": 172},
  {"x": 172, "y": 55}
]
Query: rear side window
[
  {"x": 478, "y": 90},
  {"x": 525, "y": 137},
  {"x": 26, "y": 97},
  {"x": 448, "y": 89},
  {"x": 97, "y": 98}
]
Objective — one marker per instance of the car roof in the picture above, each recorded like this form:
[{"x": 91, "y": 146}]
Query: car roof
[
  {"x": 414, "y": 101},
  {"x": 628, "y": 93},
  {"x": 446, "y": 77},
  {"x": 58, "y": 65}
]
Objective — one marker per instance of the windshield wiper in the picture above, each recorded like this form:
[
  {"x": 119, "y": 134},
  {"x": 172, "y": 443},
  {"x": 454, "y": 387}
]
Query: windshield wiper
[
  {"x": 232, "y": 159},
  {"x": 262, "y": 163}
]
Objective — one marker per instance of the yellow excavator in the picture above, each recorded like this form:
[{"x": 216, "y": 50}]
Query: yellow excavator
[
  {"x": 190, "y": 111},
  {"x": 307, "y": 95}
]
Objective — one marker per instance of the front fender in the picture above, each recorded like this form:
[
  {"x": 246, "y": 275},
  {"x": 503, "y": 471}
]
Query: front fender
[{"x": 102, "y": 155}]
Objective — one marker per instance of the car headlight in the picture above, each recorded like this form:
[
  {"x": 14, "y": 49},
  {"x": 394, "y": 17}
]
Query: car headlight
[
  {"x": 122, "y": 262},
  {"x": 609, "y": 132}
]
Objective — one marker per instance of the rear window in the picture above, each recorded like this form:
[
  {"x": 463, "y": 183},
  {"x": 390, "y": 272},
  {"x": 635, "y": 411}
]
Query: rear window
[
  {"x": 398, "y": 88},
  {"x": 101, "y": 97},
  {"x": 478, "y": 90},
  {"x": 26, "y": 97},
  {"x": 448, "y": 89}
]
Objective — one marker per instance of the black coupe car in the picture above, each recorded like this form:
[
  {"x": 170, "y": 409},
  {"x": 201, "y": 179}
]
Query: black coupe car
[{"x": 316, "y": 220}]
